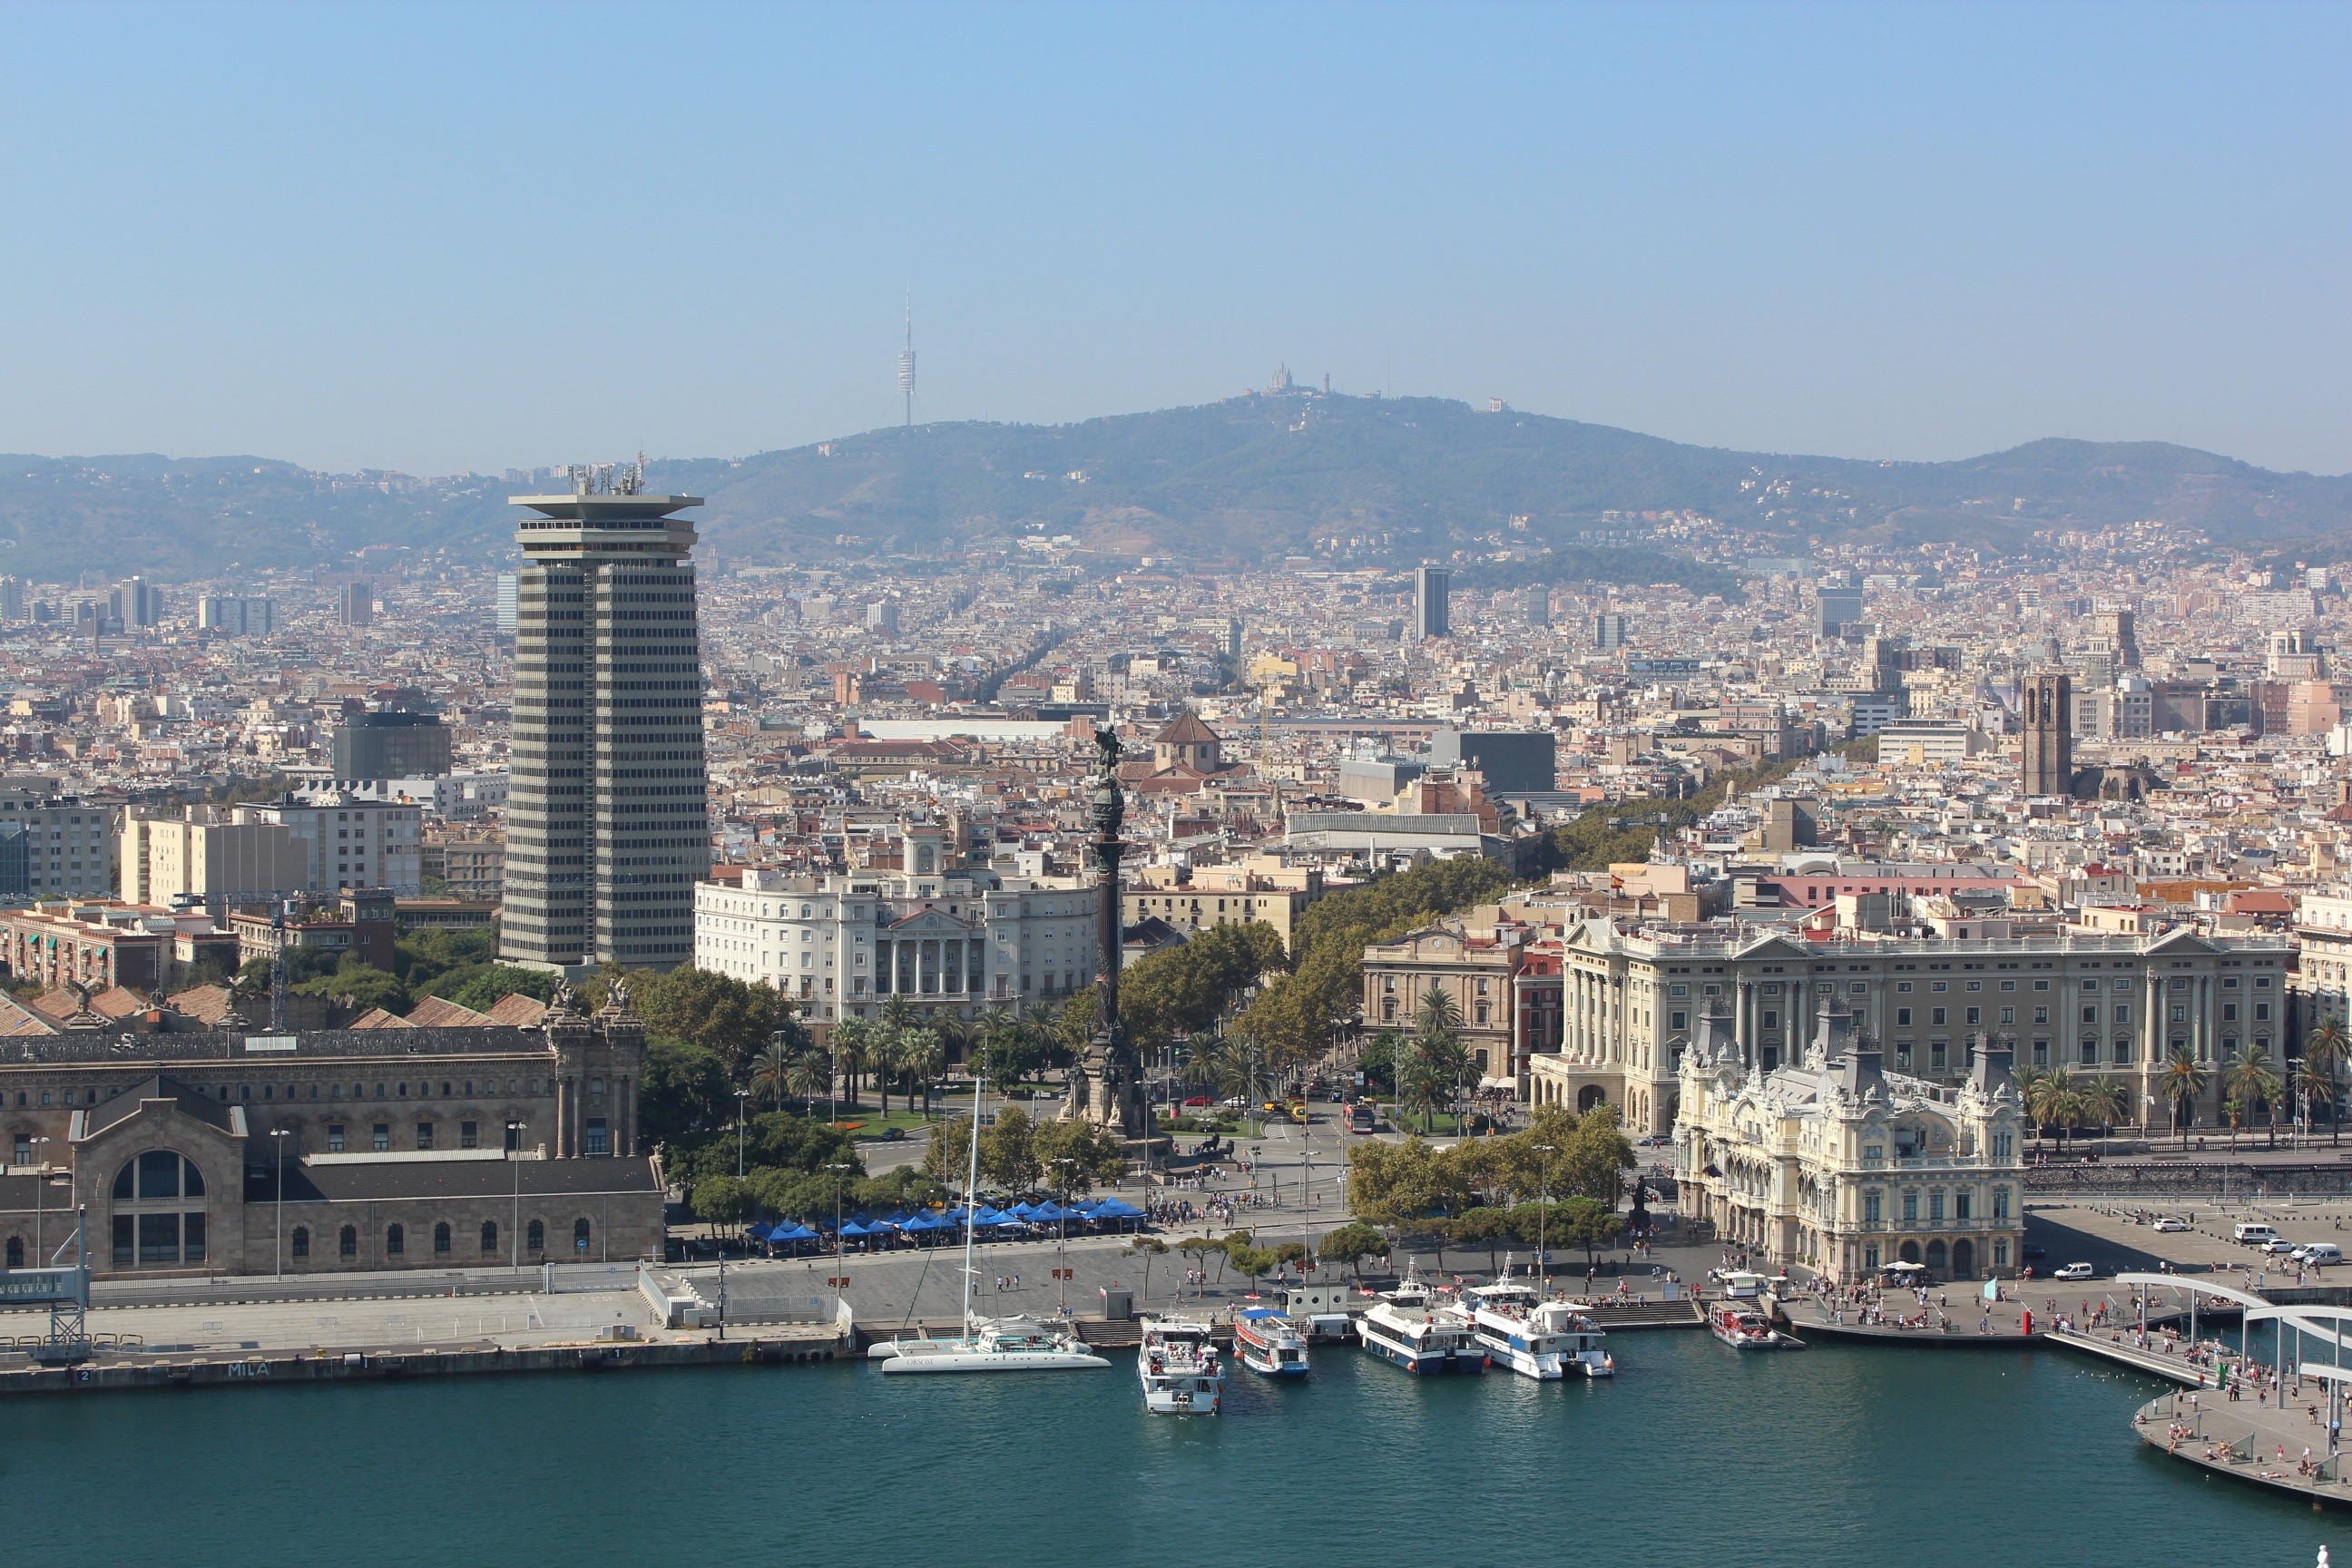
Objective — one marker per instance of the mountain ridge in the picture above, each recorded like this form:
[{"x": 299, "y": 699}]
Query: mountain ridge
[{"x": 1253, "y": 479}]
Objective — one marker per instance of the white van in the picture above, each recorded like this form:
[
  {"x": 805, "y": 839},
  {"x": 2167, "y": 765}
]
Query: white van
[
  {"x": 2252, "y": 1234},
  {"x": 2318, "y": 1254}
]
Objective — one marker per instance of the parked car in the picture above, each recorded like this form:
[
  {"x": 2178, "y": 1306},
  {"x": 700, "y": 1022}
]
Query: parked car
[
  {"x": 2276, "y": 1246},
  {"x": 2030, "y": 1251},
  {"x": 2252, "y": 1234},
  {"x": 2319, "y": 1254},
  {"x": 2076, "y": 1271},
  {"x": 2166, "y": 1224},
  {"x": 1196, "y": 1102}
]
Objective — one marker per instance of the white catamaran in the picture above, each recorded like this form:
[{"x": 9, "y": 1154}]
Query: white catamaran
[{"x": 987, "y": 1344}]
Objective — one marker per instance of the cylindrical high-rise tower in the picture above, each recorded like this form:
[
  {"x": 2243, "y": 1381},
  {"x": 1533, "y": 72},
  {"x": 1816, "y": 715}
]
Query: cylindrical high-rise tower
[{"x": 607, "y": 826}]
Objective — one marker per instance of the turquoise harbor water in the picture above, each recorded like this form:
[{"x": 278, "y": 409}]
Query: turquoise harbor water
[{"x": 1695, "y": 1454}]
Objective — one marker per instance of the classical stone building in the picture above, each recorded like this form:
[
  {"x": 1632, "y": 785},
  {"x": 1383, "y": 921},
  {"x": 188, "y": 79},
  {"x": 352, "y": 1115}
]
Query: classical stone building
[
  {"x": 2092, "y": 1003},
  {"x": 1472, "y": 963},
  {"x": 1836, "y": 1164},
  {"x": 390, "y": 1148}
]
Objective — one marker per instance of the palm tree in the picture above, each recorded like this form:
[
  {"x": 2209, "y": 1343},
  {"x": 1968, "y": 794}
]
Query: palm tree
[
  {"x": 772, "y": 1072},
  {"x": 1446, "y": 1061},
  {"x": 810, "y": 1077},
  {"x": 2249, "y": 1078},
  {"x": 2056, "y": 1101},
  {"x": 2184, "y": 1083},
  {"x": 2328, "y": 1048},
  {"x": 852, "y": 1054},
  {"x": 1043, "y": 1026},
  {"x": 2316, "y": 1081},
  {"x": 925, "y": 1059},
  {"x": 2028, "y": 1080},
  {"x": 1435, "y": 1014},
  {"x": 853, "y": 1043},
  {"x": 2105, "y": 1101},
  {"x": 886, "y": 1053}
]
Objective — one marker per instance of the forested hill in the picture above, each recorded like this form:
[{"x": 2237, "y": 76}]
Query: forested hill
[{"x": 1254, "y": 479}]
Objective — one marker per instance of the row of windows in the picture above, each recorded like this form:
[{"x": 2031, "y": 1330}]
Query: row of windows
[{"x": 395, "y": 1238}]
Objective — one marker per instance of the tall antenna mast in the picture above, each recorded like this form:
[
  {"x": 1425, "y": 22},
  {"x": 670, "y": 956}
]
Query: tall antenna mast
[{"x": 907, "y": 363}]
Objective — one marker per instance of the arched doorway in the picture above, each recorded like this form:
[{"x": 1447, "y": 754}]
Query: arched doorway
[
  {"x": 1936, "y": 1257},
  {"x": 1591, "y": 1095},
  {"x": 1910, "y": 1253},
  {"x": 1964, "y": 1260}
]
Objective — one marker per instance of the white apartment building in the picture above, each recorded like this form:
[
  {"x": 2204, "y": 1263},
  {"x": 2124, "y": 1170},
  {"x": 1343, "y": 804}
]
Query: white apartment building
[
  {"x": 842, "y": 945},
  {"x": 351, "y": 842}
]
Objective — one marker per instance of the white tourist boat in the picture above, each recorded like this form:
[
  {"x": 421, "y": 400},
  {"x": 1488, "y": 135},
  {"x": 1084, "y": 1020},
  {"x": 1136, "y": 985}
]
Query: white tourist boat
[
  {"x": 1265, "y": 1341},
  {"x": 987, "y": 1344},
  {"x": 1533, "y": 1337},
  {"x": 1743, "y": 1328},
  {"x": 1431, "y": 1339},
  {"x": 1177, "y": 1363}
]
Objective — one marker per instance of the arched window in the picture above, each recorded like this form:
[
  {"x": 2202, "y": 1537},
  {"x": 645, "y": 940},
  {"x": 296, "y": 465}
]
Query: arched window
[
  {"x": 159, "y": 1212},
  {"x": 395, "y": 1240},
  {"x": 580, "y": 1235},
  {"x": 348, "y": 1244},
  {"x": 15, "y": 1252},
  {"x": 489, "y": 1237},
  {"x": 536, "y": 1236},
  {"x": 302, "y": 1241},
  {"x": 441, "y": 1237}
]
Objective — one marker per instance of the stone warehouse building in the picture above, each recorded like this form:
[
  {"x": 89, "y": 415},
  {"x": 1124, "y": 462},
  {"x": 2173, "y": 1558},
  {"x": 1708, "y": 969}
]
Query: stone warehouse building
[{"x": 215, "y": 1149}]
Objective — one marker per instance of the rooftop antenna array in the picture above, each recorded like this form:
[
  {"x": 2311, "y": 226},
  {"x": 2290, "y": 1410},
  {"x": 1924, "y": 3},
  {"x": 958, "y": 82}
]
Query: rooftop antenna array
[
  {"x": 907, "y": 363},
  {"x": 608, "y": 479}
]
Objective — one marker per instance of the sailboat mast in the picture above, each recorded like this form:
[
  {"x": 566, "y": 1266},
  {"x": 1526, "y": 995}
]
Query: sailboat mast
[{"x": 972, "y": 1195}]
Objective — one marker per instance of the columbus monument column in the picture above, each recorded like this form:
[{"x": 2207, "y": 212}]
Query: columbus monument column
[{"x": 1107, "y": 1088}]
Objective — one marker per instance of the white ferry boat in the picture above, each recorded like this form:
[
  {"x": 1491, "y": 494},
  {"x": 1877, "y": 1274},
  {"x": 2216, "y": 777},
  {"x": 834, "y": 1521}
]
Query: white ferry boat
[
  {"x": 1743, "y": 1328},
  {"x": 1533, "y": 1337},
  {"x": 990, "y": 1344},
  {"x": 1177, "y": 1363},
  {"x": 1266, "y": 1340},
  {"x": 1431, "y": 1339}
]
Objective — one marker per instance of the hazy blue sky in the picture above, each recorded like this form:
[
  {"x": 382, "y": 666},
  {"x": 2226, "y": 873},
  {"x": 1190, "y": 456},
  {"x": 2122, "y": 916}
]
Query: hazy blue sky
[{"x": 434, "y": 238}]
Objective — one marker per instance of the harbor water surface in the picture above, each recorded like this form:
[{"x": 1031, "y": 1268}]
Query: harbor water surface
[{"x": 1695, "y": 1453}]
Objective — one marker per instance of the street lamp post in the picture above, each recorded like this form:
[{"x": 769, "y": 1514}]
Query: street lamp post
[
  {"x": 1543, "y": 1223},
  {"x": 742, "y": 1104},
  {"x": 278, "y": 1181},
  {"x": 40, "y": 1182},
  {"x": 1062, "y": 1206},
  {"x": 836, "y": 1170},
  {"x": 514, "y": 1155}
]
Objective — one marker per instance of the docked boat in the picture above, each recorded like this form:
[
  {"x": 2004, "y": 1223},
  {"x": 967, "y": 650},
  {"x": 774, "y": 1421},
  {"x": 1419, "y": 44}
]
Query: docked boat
[
  {"x": 1177, "y": 1363},
  {"x": 987, "y": 1344},
  {"x": 1743, "y": 1328},
  {"x": 1533, "y": 1337},
  {"x": 1265, "y": 1341},
  {"x": 1431, "y": 1339},
  {"x": 990, "y": 1344}
]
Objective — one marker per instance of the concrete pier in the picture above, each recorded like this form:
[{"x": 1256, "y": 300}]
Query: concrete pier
[{"x": 2285, "y": 1450}]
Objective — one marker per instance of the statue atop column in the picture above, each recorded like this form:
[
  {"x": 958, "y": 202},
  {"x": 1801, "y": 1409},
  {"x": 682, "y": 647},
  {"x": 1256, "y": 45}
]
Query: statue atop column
[{"x": 1107, "y": 1088}]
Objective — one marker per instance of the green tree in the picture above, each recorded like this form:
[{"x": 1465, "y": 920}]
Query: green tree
[
  {"x": 2056, "y": 1101},
  {"x": 2325, "y": 1052},
  {"x": 809, "y": 1076},
  {"x": 773, "y": 1071},
  {"x": 1591, "y": 1156},
  {"x": 722, "y": 1200},
  {"x": 925, "y": 1060},
  {"x": 683, "y": 1089},
  {"x": 1095, "y": 1154},
  {"x": 1352, "y": 1243},
  {"x": 2250, "y": 1079},
  {"x": 1146, "y": 1248},
  {"x": 2183, "y": 1083},
  {"x": 1486, "y": 1227},
  {"x": 2105, "y": 1103},
  {"x": 1256, "y": 1262},
  {"x": 733, "y": 1020},
  {"x": 1008, "y": 1151},
  {"x": 1588, "y": 1224},
  {"x": 361, "y": 987},
  {"x": 947, "y": 1158}
]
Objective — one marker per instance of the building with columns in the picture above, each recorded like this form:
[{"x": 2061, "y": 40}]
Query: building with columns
[
  {"x": 390, "y": 1147},
  {"x": 842, "y": 945},
  {"x": 1836, "y": 1164},
  {"x": 2093, "y": 1003}
]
